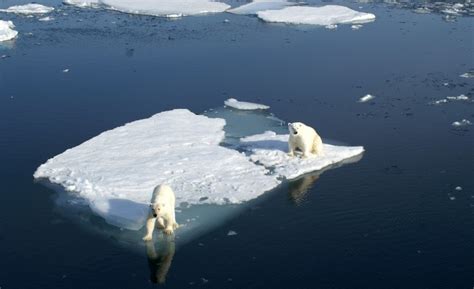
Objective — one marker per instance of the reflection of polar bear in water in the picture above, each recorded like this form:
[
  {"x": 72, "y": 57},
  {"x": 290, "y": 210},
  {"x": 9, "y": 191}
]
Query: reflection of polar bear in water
[
  {"x": 159, "y": 259},
  {"x": 161, "y": 210},
  {"x": 305, "y": 139}
]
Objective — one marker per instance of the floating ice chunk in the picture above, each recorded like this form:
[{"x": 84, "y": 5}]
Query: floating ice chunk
[
  {"x": 331, "y": 26},
  {"x": 26, "y": 9},
  {"x": 463, "y": 122},
  {"x": 366, "y": 98},
  {"x": 469, "y": 74},
  {"x": 83, "y": 3},
  {"x": 270, "y": 150},
  {"x": 458, "y": 188},
  {"x": 459, "y": 97},
  {"x": 256, "y": 6},
  {"x": 166, "y": 8},
  {"x": 47, "y": 18},
  {"x": 356, "y": 27},
  {"x": 325, "y": 15},
  {"x": 6, "y": 30},
  {"x": 66, "y": 70},
  {"x": 116, "y": 171},
  {"x": 243, "y": 105},
  {"x": 422, "y": 10},
  {"x": 231, "y": 233}
]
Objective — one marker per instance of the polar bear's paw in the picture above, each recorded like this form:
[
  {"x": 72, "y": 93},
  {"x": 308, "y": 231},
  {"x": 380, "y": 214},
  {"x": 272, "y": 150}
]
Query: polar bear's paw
[
  {"x": 147, "y": 238},
  {"x": 175, "y": 226},
  {"x": 168, "y": 231}
]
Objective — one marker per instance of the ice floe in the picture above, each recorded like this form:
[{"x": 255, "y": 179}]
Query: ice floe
[
  {"x": 28, "y": 9},
  {"x": 356, "y": 27},
  {"x": 166, "y": 8},
  {"x": 325, "y": 15},
  {"x": 463, "y": 122},
  {"x": 83, "y": 3},
  {"x": 117, "y": 170},
  {"x": 366, "y": 98},
  {"x": 6, "y": 30},
  {"x": 256, "y": 6},
  {"x": 243, "y": 105},
  {"x": 469, "y": 74},
  {"x": 460, "y": 97},
  {"x": 46, "y": 19},
  {"x": 270, "y": 150}
]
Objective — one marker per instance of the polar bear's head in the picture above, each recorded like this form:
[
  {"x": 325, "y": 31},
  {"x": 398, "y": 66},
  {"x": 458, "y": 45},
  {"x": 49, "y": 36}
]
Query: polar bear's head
[
  {"x": 295, "y": 127},
  {"x": 157, "y": 209}
]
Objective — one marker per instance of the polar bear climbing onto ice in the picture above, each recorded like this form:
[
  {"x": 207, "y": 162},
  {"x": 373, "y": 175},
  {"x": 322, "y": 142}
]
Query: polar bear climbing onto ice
[
  {"x": 305, "y": 139},
  {"x": 161, "y": 211}
]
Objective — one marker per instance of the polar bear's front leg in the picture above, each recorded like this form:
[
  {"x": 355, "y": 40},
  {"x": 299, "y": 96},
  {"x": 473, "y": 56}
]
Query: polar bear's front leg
[
  {"x": 291, "y": 148},
  {"x": 169, "y": 225},
  {"x": 150, "y": 226}
]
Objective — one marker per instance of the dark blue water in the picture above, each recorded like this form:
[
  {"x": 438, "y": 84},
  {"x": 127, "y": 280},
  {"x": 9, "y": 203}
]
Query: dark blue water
[{"x": 391, "y": 220}]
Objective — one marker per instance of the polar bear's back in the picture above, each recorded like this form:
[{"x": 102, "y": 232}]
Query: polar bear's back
[{"x": 163, "y": 193}]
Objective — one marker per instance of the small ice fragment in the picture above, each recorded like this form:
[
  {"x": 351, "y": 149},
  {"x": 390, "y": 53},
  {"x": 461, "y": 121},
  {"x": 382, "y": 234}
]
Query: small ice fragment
[
  {"x": 231, "y": 233},
  {"x": 66, "y": 70},
  {"x": 366, "y": 98},
  {"x": 469, "y": 74},
  {"x": 204, "y": 280},
  {"x": 459, "y": 97},
  {"x": 28, "y": 9},
  {"x": 331, "y": 26},
  {"x": 243, "y": 105},
  {"x": 226, "y": 21},
  {"x": 82, "y": 3},
  {"x": 440, "y": 101},
  {"x": 463, "y": 122},
  {"x": 356, "y": 27},
  {"x": 458, "y": 188},
  {"x": 47, "y": 18},
  {"x": 452, "y": 198}
]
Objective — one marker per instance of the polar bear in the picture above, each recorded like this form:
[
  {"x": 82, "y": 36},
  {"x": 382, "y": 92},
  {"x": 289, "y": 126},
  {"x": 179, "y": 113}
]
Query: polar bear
[
  {"x": 305, "y": 139},
  {"x": 161, "y": 210}
]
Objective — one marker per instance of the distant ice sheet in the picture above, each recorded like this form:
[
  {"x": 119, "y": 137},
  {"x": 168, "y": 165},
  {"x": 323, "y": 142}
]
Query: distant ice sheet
[
  {"x": 6, "y": 30},
  {"x": 325, "y": 15},
  {"x": 117, "y": 170},
  {"x": 256, "y": 6},
  {"x": 26, "y": 9},
  {"x": 270, "y": 149},
  {"x": 166, "y": 8},
  {"x": 243, "y": 105}
]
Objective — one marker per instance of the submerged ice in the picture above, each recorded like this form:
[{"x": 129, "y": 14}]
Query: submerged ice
[{"x": 116, "y": 171}]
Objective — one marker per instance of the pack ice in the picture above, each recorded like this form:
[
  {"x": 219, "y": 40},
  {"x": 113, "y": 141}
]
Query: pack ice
[
  {"x": 6, "y": 30},
  {"x": 116, "y": 171},
  {"x": 27, "y": 9},
  {"x": 326, "y": 15}
]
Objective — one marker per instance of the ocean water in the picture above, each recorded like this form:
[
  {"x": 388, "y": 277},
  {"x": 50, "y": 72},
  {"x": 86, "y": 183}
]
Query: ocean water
[{"x": 393, "y": 219}]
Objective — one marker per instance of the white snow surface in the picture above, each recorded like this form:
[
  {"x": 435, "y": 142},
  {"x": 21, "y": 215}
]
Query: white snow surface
[
  {"x": 256, "y": 6},
  {"x": 325, "y": 15},
  {"x": 83, "y": 3},
  {"x": 6, "y": 30},
  {"x": 28, "y": 9},
  {"x": 166, "y": 8},
  {"x": 270, "y": 150},
  {"x": 116, "y": 171},
  {"x": 243, "y": 105}
]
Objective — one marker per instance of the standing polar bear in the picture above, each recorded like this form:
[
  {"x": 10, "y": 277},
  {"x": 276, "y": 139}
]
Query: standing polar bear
[
  {"x": 304, "y": 138},
  {"x": 161, "y": 210}
]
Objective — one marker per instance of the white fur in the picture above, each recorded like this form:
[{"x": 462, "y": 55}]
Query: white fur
[
  {"x": 161, "y": 210},
  {"x": 305, "y": 139}
]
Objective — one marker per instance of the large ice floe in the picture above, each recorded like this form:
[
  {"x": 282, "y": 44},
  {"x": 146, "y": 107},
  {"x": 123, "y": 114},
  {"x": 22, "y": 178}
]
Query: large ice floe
[
  {"x": 166, "y": 8},
  {"x": 244, "y": 105},
  {"x": 270, "y": 149},
  {"x": 326, "y": 15},
  {"x": 83, "y": 3},
  {"x": 28, "y": 9},
  {"x": 6, "y": 30},
  {"x": 256, "y": 6},
  {"x": 214, "y": 172}
]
